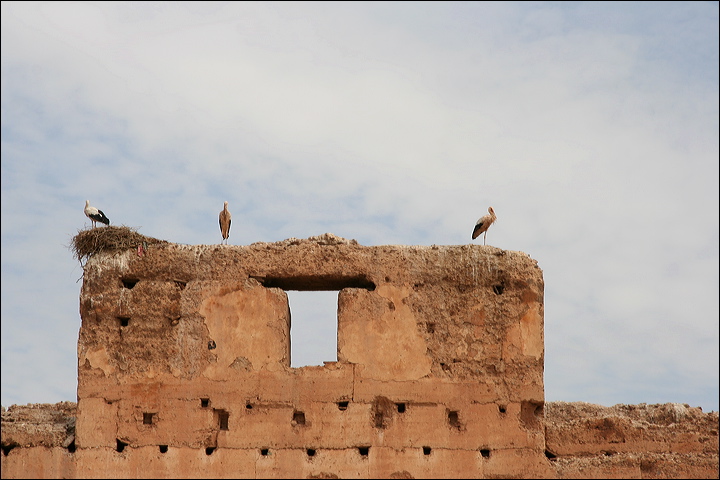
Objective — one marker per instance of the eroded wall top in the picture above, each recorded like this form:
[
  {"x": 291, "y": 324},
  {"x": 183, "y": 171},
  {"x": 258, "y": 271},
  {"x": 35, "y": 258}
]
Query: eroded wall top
[{"x": 404, "y": 312}]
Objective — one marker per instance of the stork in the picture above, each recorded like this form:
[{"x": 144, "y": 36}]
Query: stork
[
  {"x": 483, "y": 223},
  {"x": 95, "y": 215},
  {"x": 225, "y": 220}
]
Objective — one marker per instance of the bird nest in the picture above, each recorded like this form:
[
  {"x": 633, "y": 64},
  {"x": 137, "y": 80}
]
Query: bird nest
[{"x": 107, "y": 239}]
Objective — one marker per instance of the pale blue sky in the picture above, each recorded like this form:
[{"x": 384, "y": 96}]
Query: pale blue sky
[{"x": 591, "y": 128}]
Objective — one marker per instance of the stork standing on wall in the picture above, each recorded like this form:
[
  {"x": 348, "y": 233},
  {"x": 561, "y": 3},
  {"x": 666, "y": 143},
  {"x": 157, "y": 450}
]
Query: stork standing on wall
[
  {"x": 95, "y": 215},
  {"x": 483, "y": 224},
  {"x": 225, "y": 219}
]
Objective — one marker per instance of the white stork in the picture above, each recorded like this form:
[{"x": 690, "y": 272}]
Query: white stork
[
  {"x": 225, "y": 220},
  {"x": 483, "y": 223},
  {"x": 95, "y": 215}
]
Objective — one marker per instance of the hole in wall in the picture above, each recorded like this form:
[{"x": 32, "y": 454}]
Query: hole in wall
[
  {"x": 248, "y": 406},
  {"x": 531, "y": 414},
  {"x": 7, "y": 447},
  {"x": 209, "y": 450},
  {"x": 498, "y": 289},
  {"x": 212, "y": 345},
  {"x": 550, "y": 455},
  {"x": 454, "y": 419},
  {"x": 485, "y": 452},
  {"x": 148, "y": 418},
  {"x": 298, "y": 418},
  {"x": 314, "y": 283},
  {"x": 264, "y": 451},
  {"x": 223, "y": 419},
  {"x": 129, "y": 282},
  {"x": 180, "y": 284},
  {"x": 204, "y": 402},
  {"x": 502, "y": 408},
  {"x": 71, "y": 448},
  {"x": 163, "y": 448},
  {"x": 120, "y": 445},
  {"x": 364, "y": 451},
  {"x": 311, "y": 452},
  {"x": 313, "y": 327},
  {"x": 427, "y": 450},
  {"x": 343, "y": 405},
  {"x": 400, "y": 407},
  {"x": 124, "y": 321}
]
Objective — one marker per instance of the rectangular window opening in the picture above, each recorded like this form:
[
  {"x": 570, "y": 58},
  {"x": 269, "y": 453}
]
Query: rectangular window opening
[{"x": 313, "y": 327}]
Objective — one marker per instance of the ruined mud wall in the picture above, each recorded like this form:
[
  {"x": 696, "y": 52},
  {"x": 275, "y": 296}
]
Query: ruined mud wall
[
  {"x": 670, "y": 440},
  {"x": 583, "y": 441},
  {"x": 185, "y": 351},
  {"x": 184, "y": 366}
]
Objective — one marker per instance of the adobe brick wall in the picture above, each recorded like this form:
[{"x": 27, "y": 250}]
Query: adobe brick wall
[
  {"x": 439, "y": 361},
  {"x": 184, "y": 366},
  {"x": 583, "y": 440}
]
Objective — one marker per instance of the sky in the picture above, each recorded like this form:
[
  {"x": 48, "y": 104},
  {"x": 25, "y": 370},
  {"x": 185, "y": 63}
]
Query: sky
[{"x": 591, "y": 128}]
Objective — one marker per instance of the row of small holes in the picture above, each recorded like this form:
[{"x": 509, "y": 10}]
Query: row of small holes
[
  {"x": 223, "y": 419},
  {"x": 484, "y": 452},
  {"x": 311, "y": 452},
  {"x": 6, "y": 448},
  {"x": 125, "y": 321},
  {"x": 298, "y": 419},
  {"x": 364, "y": 451},
  {"x": 342, "y": 406},
  {"x": 129, "y": 283}
]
